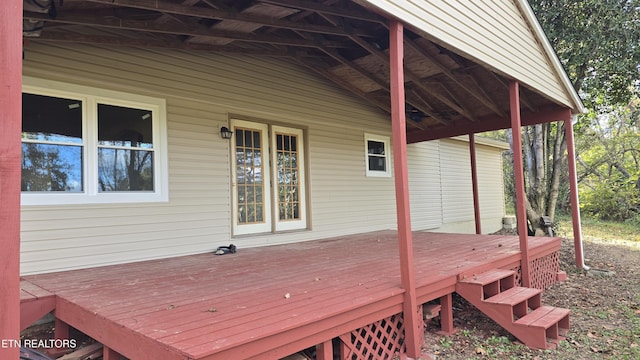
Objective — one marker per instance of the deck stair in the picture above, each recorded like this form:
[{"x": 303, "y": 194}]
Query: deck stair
[{"x": 517, "y": 309}]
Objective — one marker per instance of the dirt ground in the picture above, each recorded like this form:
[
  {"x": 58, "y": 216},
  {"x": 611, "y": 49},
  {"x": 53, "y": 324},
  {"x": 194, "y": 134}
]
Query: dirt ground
[{"x": 604, "y": 320}]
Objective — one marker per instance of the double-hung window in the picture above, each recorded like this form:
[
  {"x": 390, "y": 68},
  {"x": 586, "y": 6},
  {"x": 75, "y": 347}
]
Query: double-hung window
[
  {"x": 377, "y": 155},
  {"x": 87, "y": 145}
]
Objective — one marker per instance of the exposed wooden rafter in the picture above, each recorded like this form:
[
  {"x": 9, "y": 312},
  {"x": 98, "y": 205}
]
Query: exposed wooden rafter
[
  {"x": 480, "y": 96},
  {"x": 208, "y": 13},
  {"x": 151, "y": 26},
  {"x": 151, "y": 43},
  {"x": 330, "y": 10},
  {"x": 342, "y": 41}
]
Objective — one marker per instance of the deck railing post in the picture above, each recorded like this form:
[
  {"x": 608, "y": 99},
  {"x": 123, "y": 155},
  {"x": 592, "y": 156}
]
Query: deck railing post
[
  {"x": 10, "y": 128},
  {"x": 413, "y": 336},
  {"x": 521, "y": 207},
  {"x": 474, "y": 182},
  {"x": 573, "y": 193},
  {"x": 324, "y": 351}
]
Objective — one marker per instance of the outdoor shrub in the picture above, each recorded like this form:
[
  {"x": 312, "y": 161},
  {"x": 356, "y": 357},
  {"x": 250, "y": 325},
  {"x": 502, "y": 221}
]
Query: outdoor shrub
[{"x": 612, "y": 200}]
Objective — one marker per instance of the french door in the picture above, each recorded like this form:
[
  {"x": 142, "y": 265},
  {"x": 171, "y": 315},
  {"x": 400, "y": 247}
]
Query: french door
[{"x": 268, "y": 178}]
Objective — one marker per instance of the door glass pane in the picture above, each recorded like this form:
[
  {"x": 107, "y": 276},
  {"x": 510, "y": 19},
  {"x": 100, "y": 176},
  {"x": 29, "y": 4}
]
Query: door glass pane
[
  {"x": 287, "y": 177},
  {"x": 249, "y": 176}
]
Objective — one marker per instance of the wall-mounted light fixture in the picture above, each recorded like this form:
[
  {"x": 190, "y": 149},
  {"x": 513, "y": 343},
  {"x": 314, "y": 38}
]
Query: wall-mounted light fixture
[{"x": 225, "y": 133}]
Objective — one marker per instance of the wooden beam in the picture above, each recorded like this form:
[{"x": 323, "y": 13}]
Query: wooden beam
[
  {"x": 184, "y": 29},
  {"x": 426, "y": 108},
  {"x": 413, "y": 337},
  {"x": 521, "y": 208},
  {"x": 167, "y": 7},
  {"x": 417, "y": 81},
  {"x": 340, "y": 11},
  {"x": 479, "y": 95},
  {"x": 412, "y": 76},
  {"x": 32, "y": 310},
  {"x": 152, "y": 43},
  {"x": 490, "y": 123},
  {"x": 474, "y": 183},
  {"x": 164, "y": 18},
  {"x": 573, "y": 192},
  {"x": 344, "y": 84},
  {"x": 10, "y": 153},
  {"x": 324, "y": 351},
  {"x": 365, "y": 73},
  {"x": 523, "y": 98}
]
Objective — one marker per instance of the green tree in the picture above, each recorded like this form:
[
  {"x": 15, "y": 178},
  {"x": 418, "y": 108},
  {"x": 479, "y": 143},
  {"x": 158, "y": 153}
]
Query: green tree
[
  {"x": 610, "y": 165},
  {"x": 597, "y": 42}
]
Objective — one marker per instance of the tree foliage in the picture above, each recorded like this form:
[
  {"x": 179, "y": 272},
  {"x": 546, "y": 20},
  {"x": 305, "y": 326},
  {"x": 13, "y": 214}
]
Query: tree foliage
[
  {"x": 597, "y": 43},
  {"x": 610, "y": 165}
]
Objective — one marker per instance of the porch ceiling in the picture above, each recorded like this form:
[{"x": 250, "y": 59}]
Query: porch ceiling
[{"x": 446, "y": 93}]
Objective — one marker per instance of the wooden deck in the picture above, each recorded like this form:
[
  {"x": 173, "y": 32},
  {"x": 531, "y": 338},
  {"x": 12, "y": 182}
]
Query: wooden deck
[{"x": 266, "y": 302}]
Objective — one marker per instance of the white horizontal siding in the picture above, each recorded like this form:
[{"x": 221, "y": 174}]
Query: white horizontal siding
[
  {"x": 493, "y": 32},
  {"x": 457, "y": 193},
  {"x": 425, "y": 185},
  {"x": 201, "y": 91},
  {"x": 490, "y": 182}
]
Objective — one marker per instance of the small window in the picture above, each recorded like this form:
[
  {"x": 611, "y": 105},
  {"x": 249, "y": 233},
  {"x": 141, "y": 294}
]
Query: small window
[{"x": 377, "y": 152}]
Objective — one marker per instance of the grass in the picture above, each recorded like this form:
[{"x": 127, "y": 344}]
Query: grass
[{"x": 620, "y": 233}]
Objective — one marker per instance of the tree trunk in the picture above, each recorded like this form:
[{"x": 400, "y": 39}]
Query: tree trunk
[
  {"x": 544, "y": 149},
  {"x": 559, "y": 149},
  {"x": 539, "y": 185}
]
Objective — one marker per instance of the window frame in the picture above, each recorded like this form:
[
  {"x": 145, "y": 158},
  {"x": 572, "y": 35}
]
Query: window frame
[
  {"x": 90, "y": 98},
  {"x": 301, "y": 222},
  {"x": 272, "y": 223},
  {"x": 386, "y": 140}
]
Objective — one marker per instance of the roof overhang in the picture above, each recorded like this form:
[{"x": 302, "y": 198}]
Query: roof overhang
[{"x": 450, "y": 89}]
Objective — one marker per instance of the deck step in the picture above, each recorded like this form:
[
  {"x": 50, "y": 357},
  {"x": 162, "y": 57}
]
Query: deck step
[
  {"x": 517, "y": 309},
  {"x": 489, "y": 283},
  {"x": 514, "y": 296},
  {"x": 544, "y": 317},
  {"x": 488, "y": 276}
]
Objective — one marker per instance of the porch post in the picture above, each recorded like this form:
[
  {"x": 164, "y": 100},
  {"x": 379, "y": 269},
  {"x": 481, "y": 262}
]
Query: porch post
[
  {"x": 573, "y": 191},
  {"x": 10, "y": 128},
  {"x": 413, "y": 337},
  {"x": 474, "y": 182},
  {"x": 521, "y": 207}
]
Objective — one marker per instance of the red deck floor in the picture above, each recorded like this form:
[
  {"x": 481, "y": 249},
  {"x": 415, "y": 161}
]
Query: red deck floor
[{"x": 266, "y": 302}]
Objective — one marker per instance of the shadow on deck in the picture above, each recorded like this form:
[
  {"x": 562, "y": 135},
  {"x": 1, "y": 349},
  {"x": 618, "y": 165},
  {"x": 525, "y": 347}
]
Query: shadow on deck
[{"x": 270, "y": 302}]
